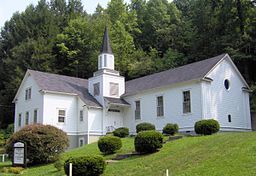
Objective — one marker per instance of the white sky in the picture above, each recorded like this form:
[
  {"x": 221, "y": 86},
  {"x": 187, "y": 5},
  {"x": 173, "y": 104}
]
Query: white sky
[{"x": 8, "y": 7}]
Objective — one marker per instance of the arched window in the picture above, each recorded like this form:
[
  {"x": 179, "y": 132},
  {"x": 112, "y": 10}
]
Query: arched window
[
  {"x": 229, "y": 118},
  {"x": 227, "y": 84}
]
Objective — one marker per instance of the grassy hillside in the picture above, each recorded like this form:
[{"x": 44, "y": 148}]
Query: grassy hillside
[{"x": 221, "y": 154}]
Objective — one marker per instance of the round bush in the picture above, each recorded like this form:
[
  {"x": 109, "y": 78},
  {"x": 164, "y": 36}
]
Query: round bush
[
  {"x": 121, "y": 132},
  {"x": 85, "y": 166},
  {"x": 170, "y": 129},
  {"x": 148, "y": 141},
  {"x": 109, "y": 144},
  {"x": 145, "y": 127},
  {"x": 44, "y": 143},
  {"x": 207, "y": 127}
]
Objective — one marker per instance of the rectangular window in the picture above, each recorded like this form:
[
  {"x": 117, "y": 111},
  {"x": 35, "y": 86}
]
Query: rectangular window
[
  {"x": 27, "y": 118},
  {"x": 35, "y": 116},
  {"x": 61, "y": 116},
  {"x": 105, "y": 60},
  {"x": 137, "y": 110},
  {"x": 186, "y": 102},
  {"x": 81, "y": 115},
  {"x": 19, "y": 120},
  {"x": 113, "y": 110},
  {"x": 96, "y": 89},
  {"x": 114, "y": 89},
  {"x": 160, "y": 106},
  {"x": 100, "y": 62},
  {"x": 28, "y": 94},
  {"x": 81, "y": 142}
]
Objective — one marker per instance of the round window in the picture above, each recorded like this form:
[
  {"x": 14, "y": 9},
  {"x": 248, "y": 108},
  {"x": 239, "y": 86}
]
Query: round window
[{"x": 226, "y": 84}]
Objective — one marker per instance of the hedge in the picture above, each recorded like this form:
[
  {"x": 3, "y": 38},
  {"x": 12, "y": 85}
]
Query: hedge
[
  {"x": 144, "y": 127},
  {"x": 109, "y": 144},
  {"x": 121, "y": 132},
  {"x": 207, "y": 127},
  {"x": 44, "y": 143},
  {"x": 85, "y": 166},
  {"x": 148, "y": 141},
  {"x": 170, "y": 129}
]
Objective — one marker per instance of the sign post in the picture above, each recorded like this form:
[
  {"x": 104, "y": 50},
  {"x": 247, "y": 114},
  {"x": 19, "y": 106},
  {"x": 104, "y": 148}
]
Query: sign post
[{"x": 19, "y": 154}]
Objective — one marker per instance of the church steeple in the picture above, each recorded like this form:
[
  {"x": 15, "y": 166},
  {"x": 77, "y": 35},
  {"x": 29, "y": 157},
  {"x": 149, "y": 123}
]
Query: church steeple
[
  {"x": 106, "y": 57},
  {"x": 105, "y": 47},
  {"x": 106, "y": 82}
]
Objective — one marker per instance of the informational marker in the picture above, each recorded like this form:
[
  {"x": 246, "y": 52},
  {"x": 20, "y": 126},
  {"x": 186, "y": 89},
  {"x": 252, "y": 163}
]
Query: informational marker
[{"x": 20, "y": 154}]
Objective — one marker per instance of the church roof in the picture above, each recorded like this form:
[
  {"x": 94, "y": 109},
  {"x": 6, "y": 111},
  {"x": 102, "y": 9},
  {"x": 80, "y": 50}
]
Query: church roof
[
  {"x": 64, "y": 84},
  {"x": 117, "y": 101},
  {"x": 194, "y": 71},
  {"x": 105, "y": 47}
]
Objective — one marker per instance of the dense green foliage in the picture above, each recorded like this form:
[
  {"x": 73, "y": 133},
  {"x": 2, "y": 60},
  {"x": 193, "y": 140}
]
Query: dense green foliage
[
  {"x": 148, "y": 141},
  {"x": 85, "y": 165},
  {"x": 144, "y": 126},
  {"x": 109, "y": 144},
  {"x": 121, "y": 132},
  {"x": 170, "y": 129},
  {"x": 44, "y": 143},
  {"x": 146, "y": 36},
  {"x": 207, "y": 127}
]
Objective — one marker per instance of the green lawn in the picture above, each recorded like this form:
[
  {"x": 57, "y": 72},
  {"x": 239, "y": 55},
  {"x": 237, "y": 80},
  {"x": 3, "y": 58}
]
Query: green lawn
[{"x": 221, "y": 154}]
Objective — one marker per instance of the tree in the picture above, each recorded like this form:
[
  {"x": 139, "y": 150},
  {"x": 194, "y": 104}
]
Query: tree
[{"x": 44, "y": 143}]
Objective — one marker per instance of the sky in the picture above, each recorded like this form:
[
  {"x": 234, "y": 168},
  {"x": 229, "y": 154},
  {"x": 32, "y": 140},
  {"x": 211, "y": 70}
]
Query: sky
[{"x": 8, "y": 7}]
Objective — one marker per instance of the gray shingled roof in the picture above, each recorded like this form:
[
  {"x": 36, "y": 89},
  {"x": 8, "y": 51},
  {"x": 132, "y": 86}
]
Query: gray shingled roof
[
  {"x": 196, "y": 70},
  {"x": 119, "y": 101},
  {"x": 105, "y": 47},
  {"x": 66, "y": 84}
]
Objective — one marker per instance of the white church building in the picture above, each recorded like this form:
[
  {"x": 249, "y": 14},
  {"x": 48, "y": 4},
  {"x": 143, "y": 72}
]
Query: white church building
[{"x": 86, "y": 109}]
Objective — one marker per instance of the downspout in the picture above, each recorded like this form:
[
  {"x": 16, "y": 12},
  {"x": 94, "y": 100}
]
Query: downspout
[
  {"x": 88, "y": 131},
  {"x": 202, "y": 104}
]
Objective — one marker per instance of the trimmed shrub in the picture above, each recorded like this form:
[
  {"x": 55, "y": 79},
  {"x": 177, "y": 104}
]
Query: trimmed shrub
[
  {"x": 121, "y": 132},
  {"x": 44, "y": 143},
  {"x": 58, "y": 164},
  {"x": 85, "y": 166},
  {"x": 170, "y": 129},
  {"x": 109, "y": 144},
  {"x": 148, "y": 141},
  {"x": 145, "y": 126},
  {"x": 207, "y": 127}
]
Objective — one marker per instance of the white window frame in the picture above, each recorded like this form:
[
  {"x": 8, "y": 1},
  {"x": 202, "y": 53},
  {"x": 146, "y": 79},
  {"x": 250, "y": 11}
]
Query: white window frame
[
  {"x": 159, "y": 107},
  {"x": 81, "y": 115},
  {"x": 137, "y": 112},
  {"x": 27, "y": 118},
  {"x": 105, "y": 60},
  {"x": 28, "y": 93},
  {"x": 114, "y": 86},
  {"x": 186, "y": 103},
  {"x": 19, "y": 119},
  {"x": 35, "y": 118},
  {"x": 100, "y": 62},
  {"x": 62, "y": 116},
  {"x": 95, "y": 93}
]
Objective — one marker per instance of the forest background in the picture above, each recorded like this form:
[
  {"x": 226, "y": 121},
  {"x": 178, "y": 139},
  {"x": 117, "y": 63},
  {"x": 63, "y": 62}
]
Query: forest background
[{"x": 59, "y": 36}]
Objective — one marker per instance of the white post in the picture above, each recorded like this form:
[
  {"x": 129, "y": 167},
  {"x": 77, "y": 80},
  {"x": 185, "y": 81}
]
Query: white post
[
  {"x": 70, "y": 169},
  {"x": 3, "y": 158},
  {"x": 167, "y": 172}
]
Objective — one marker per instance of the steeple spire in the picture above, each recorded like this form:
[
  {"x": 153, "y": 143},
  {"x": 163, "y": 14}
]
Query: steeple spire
[{"x": 106, "y": 48}]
